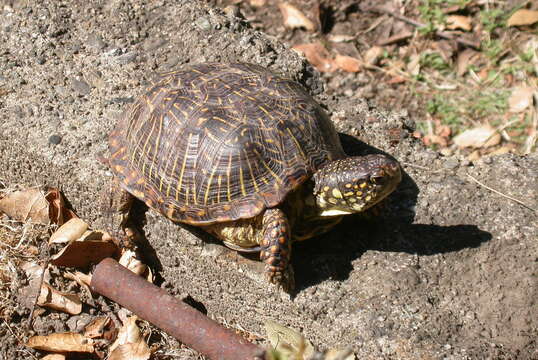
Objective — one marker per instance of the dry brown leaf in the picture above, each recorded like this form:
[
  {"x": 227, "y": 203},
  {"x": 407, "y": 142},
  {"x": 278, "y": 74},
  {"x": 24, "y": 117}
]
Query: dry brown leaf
[
  {"x": 96, "y": 235},
  {"x": 454, "y": 22},
  {"x": 291, "y": 343},
  {"x": 475, "y": 155},
  {"x": 372, "y": 55},
  {"x": 464, "y": 59},
  {"x": 396, "y": 80},
  {"x": 523, "y": 17},
  {"x": 32, "y": 270},
  {"x": 54, "y": 357},
  {"x": 294, "y": 18},
  {"x": 136, "y": 351},
  {"x": 502, "y": 150},
  {"x": 61, "y": 342},
  {"x": 42, "y": 205},
  {"x": 57, "y": 300},
  {"x": 337, "y": 354},
  {"x": 431, "y": 139},
  {"x": 96, "y": 328},
  {"x": 24, "y": 205},
  {"x": 443, "y": 130},
  {"x": 59, "y": 213},
  {"x": 81, "y": 254},
  {"x": 520, "y": 99},
  {"x": 71, "y": 230},
  {"x": 347, "y": 63},
  {"x": 130, "y": 344},
  {"x": 82, "y": 279},
  {"x": 257, "y": 3},
  {"x": 340, "y": 38},
  {"x": 413, "y": 66},
  {"x": 317, "y": 56},
  {"x": 129, "y": 260},
  {"x": 480, "y": 137}
]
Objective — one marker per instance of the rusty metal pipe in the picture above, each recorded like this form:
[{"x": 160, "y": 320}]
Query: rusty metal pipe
[{"x": 176, "y": 318}]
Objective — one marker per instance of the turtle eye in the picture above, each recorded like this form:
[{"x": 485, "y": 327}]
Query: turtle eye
[{"x": 378, "y": 179}]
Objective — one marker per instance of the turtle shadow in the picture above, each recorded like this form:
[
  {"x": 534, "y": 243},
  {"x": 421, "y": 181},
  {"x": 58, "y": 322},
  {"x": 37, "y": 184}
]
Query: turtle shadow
[{"x": 331, "y": 255}]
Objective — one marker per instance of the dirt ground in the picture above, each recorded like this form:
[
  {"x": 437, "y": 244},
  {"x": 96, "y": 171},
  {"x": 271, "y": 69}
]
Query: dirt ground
[{"x": 448, "y": 272}]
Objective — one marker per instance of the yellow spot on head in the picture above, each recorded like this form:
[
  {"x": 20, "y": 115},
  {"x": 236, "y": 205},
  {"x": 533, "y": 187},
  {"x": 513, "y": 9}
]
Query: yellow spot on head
[
  {"x": 357, "y": 207},
  {"x": 359, "y": 193},
  {"x": 337, "y": 194},
  {"x": 326, "y": 188},
  {"x": 363, "y": 185},
  {"x": 368, "y": 198},
  {"x": 349, "y": 193},
  {"x": 348, "y": 186}
]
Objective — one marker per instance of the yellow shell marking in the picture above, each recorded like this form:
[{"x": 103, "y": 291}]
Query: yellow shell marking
[
  {"x": 180, "y": 180},
  {"x": 252, "y": 174}
]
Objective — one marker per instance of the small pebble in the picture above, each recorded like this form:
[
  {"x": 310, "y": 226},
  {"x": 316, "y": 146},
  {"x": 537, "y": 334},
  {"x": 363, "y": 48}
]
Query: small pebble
[
  {"x": 96, "y": 42},
  {"x": 122, "y": 100},
  {"x": 55, "y": 139},
  {"x": 80, "y": 86},
  {"x": 212, "y": 250},
  {"x": 203, "y": 24},
  {"x": 451, "y": 163},
  {"x": 127, "y": 58},
  {"x": 487, "y": 160}
]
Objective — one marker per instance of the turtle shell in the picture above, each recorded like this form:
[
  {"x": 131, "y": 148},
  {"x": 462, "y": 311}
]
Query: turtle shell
[{"x": 220, "y": 142}]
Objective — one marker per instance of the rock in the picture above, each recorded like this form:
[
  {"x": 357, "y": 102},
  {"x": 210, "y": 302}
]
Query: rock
[{"x": 55, "y": 139}]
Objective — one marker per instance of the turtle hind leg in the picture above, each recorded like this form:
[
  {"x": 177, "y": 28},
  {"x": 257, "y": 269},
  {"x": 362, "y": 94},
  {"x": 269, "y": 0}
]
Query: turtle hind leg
[
  {"x": 116, "y": 207},
  {"x": 276, "y": 249}
]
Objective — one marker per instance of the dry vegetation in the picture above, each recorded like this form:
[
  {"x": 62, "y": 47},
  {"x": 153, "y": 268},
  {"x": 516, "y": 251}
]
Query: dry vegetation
[{"x": 466, "y": 70}]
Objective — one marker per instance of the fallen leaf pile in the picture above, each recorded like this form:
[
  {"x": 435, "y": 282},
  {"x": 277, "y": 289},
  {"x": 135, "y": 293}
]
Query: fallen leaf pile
[
  {"x": 462, "y": 52},
  {"x": 39, "y": 205},
  {"x": 78, "y": 247}
]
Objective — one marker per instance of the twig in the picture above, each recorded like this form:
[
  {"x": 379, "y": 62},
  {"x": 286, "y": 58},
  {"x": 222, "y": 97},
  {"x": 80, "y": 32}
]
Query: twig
[
  {"x": 443, "y": 34},
  {"x": 500, "y": 193},
  {"x": 41, "y": 280},
  {"x": 395, "y": 38}
]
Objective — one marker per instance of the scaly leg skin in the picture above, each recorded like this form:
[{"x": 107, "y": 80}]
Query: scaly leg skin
[
  {"x": 276, "y": 249},
  {"x": 117, "y": 205}
]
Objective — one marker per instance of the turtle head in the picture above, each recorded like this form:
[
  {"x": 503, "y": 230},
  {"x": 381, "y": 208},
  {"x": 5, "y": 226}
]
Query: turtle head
[{"x": 354, "y": 184}]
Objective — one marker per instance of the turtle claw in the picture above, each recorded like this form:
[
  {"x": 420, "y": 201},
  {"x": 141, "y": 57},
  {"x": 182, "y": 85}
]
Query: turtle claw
[{"x": 284, "y": 279}]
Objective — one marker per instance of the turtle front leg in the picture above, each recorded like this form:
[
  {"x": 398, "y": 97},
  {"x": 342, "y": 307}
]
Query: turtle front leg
[{"x": 276, "y": 248}]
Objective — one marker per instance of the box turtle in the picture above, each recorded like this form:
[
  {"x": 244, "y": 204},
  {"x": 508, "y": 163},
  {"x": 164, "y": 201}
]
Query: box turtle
[{"x": 244, "y": 154}]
